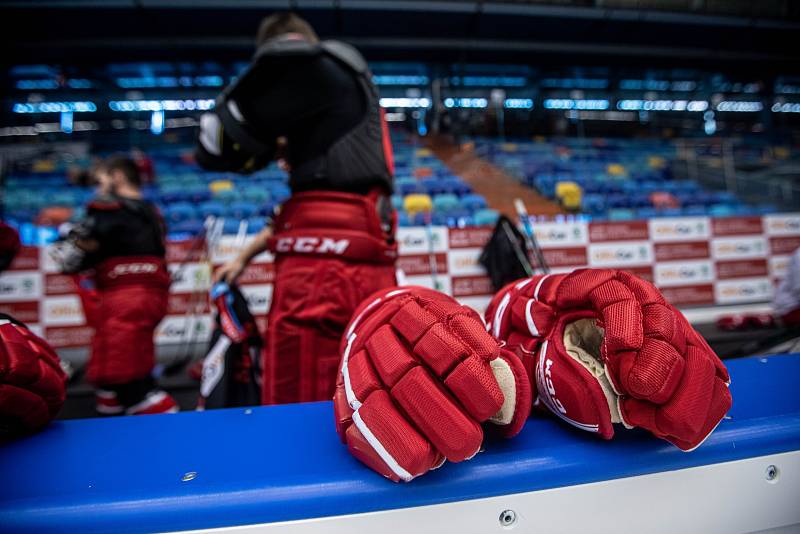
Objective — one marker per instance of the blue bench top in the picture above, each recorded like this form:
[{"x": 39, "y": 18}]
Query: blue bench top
[{"x": 284, "y": 463}]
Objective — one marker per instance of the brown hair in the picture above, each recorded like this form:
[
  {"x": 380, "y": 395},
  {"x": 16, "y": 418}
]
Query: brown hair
[
  {"x": 282, "y": 23},
  {"x": 126, "y": 166}
]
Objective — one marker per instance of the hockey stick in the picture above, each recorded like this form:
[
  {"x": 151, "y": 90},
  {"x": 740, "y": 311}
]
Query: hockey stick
[
  {"x": 530, "y": 235},
  {"x": 428, "y": 217},
  {"x": 521, "y": 255}
]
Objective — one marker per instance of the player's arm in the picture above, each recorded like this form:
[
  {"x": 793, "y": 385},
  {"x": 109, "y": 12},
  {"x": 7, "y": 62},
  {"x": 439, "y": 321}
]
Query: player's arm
[{"x": 233, "y": 269}]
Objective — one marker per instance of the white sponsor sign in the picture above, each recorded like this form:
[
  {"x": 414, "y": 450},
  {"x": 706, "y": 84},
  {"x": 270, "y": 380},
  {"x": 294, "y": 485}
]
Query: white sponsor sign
[
  {"x": 184, "y": 329},
  {"x": 259, "y": 298},
  {"x": 679, "y": 273},
  {"x": 743, "y": 290},
  {"x": 36, "y": 329},
  {"x": 62, "y": 311},
  {"x": 227, "y": 248},
  {"x": 190, "y": 277},
  {"x": 680, "y": 229},
  {"x": 779, "y": 266},
  {"x": 464, "y": 262},
  {"x": 739, "y": 248},
  {"x": 444, "y": 284},
  {"x": 20, "y": 286},
  {"x": 620, "y": 254},
  {"x": 47, "y": 263},
  {"x": 416, "y": 241},
  {"x": 561, "y": 234},
  {"x": 786, "y": 224}
]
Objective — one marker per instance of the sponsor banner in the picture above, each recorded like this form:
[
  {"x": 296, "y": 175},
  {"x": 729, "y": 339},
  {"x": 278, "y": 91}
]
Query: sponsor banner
[
  {"x": 479, "y": 304},
  {"x": 691, "y": 250},
  {"x": 779, "y": 266},
  {"x": 785, "y": 224},
  {"x": 257, "y": 273},
  {"x": 20, "y": 286},
  {"x": 421, "y": 264},
  {"x": 464, "y": 262},
  {"x": 684, "y": 273},
  {"x": 228, "y": 247},
  {"x": 742, "y": 269},
  {"x": 27, "y": 259},
  {"x": 618, "y": 231},
  {"x": 784, "y": 245},
  {"x": 185, "y": 251},
  {"x": 689, "y": 295},
  {"x": 46, "y": 262},
  {"x": 67, "y": 337},
  {"x": 474, "y": 237},
  {"x": 742, "y": 290},
  {"x": 620, "y": 254},
  {"x": 737, "y": 226},
  {"x": 181, "y": 303},
  {"x": 560, "y": 257},
  {"x": 59, "y": 284},
  {"x": 190, "y": 277},
  {"x": 182, "y": 329},
  {"x": 65, "y": 310},
  {"x": 443, "y": 282},
  {"x": 739, "y": 248},
  {"x": 470, "y": 286},
  {"x": 561, "y": 234},
  {"x": 27, "y": 312},
  {"x": 680, "y": 229},
  {"x": 415, "y": 240},
  {"x": 36, "y": 329},
  {"x": 259, "y": 298}
]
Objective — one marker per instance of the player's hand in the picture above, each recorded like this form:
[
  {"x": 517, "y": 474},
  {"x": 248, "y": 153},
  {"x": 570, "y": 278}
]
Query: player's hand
[{"x": 229, "y": 272}]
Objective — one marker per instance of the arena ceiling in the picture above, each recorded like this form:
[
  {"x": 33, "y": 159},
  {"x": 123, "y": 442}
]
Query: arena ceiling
[{"x": 657, "y": 33}]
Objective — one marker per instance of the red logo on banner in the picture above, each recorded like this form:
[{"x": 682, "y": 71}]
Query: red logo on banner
[
  {"x": 692, "y": 250},
  {"x": 737, "y": 226},
  {"x": 742, "y": 268},
  {"x": 689, "y": 295},
  {"x": 618, "y": 231}
]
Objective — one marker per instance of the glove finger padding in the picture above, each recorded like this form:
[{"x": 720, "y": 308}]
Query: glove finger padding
[
  {"x": 419, "y": 374},
  {"x": 603, "y": 346},
  {"x": 32, "y": 383}
]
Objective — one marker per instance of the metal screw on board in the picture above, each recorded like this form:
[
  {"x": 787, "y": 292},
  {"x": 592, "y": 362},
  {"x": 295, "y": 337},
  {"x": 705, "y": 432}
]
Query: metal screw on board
[
  {"x": 508, "y": 518},
  {"x": 191, "y": 475},
  {"x": 772, "y": 473}
]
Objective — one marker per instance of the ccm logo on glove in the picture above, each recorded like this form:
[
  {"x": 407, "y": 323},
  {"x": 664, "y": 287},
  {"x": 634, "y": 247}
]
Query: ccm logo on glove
[{"x": 312, "y": 245}]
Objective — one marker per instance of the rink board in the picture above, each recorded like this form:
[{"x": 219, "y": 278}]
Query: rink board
[{"x": 284, "y": 467}]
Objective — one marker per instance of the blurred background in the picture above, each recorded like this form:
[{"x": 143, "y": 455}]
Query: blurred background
[{"x": 596, "y": 112}]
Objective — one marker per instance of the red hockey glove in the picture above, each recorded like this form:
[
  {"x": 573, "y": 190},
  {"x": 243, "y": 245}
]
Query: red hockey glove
[
  {"x": 32, "y": 384},
  {"x": 602, "y": 346},
  {"x": 419, "y": 374}
]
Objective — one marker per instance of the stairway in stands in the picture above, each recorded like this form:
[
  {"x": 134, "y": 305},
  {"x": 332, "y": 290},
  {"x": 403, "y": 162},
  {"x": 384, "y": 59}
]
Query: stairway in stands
[{"x": 496, "y": 186}]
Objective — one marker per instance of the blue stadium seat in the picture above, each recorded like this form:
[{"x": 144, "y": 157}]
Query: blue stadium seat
[
  {"x": 241, "y": 210},
  {"x": 211, "y": 208},
  {"x": 473, "y": 202},
  {"x": 446, "y": 203},
  {"x": 485, "y": 217}
]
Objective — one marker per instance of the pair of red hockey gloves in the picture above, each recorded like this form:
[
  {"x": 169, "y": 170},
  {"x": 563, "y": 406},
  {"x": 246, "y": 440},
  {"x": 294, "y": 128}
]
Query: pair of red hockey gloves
[
  {"x": 32, "y": 383},
  {"x": 595, "y": 347}
]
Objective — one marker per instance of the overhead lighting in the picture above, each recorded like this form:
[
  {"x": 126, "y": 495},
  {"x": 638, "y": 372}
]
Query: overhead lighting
[
  {"x": 740, "y": 106},
  {"x": 518, "y": 103},
  {"x": 572, "y": 103},
  {"x": 575, "y": 83},
  {"x": 489, "y": 81},
  {"x": 145, "y": 82},
  {"x": 161, "y": 105},
  {"x": 465, "y": 103},
  {"x": 662, "y": 105},
  {"x": 787, "y": 107},
  {"x": 54, "y": 107},
  {"x": 405, "y": 102}
]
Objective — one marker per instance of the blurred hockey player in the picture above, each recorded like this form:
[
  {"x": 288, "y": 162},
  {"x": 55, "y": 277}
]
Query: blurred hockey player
[
  {"x": 122, "y": 242},
  {"x": 312, "y": 105}
]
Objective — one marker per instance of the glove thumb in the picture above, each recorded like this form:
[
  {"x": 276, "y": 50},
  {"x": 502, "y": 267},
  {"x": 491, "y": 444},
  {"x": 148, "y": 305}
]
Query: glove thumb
[
  {"x": 571, "y": 382},
  {"x": 515, "y": 384}
]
